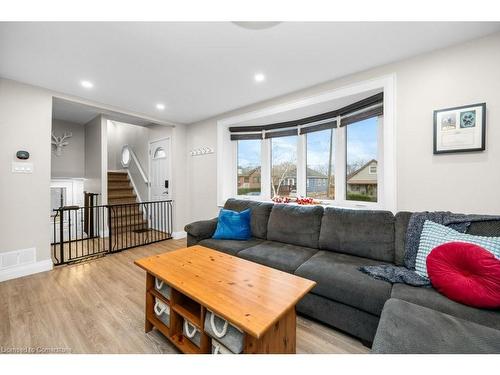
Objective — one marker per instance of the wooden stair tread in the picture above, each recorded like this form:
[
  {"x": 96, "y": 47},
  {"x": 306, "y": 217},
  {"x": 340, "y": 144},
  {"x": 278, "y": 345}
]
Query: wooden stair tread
[
  {"x": 126, "y": 213},
  {"x": 126, "y": 223},
  {"x": 117, "y": 173},
  {"x": 120, "y": 188},
  {"x": 120, "y": 196},
  {"x": 130, "y": 216}
]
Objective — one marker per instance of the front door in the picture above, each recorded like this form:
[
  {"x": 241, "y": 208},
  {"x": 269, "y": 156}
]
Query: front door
[{"x": 160, "y": 174}]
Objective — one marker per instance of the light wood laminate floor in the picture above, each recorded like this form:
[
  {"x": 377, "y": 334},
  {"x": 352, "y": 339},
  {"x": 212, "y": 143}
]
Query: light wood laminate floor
[{"x": 98, "y": 307}]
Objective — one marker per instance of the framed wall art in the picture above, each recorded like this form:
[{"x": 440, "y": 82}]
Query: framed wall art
[{"x": 460, "y": 129}]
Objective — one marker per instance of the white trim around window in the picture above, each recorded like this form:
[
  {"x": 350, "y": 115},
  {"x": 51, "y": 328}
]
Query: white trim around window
[{"x": 386, "y": 169}]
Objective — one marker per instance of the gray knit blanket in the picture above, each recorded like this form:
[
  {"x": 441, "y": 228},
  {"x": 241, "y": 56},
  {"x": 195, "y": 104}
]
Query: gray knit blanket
[{"x": 407, "y": 274}]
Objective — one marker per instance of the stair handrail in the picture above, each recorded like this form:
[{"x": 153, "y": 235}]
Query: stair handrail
[{"x": 133, "y": 157}]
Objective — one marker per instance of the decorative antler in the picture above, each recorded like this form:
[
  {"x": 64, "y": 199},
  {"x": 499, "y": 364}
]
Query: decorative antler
[
  {"x": 66, "y": 136},
  {"x": 60, "y": 142}
]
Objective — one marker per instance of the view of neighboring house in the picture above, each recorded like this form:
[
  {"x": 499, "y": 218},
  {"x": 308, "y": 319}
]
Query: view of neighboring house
[
  {"x": 363, "y": 182},
  {"x": 248, "y": 181},
  {"x": 317, "y": 184}
]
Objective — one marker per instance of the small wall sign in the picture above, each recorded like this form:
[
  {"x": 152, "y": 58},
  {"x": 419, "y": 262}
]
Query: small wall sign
[{"x": 460, "y": 129}]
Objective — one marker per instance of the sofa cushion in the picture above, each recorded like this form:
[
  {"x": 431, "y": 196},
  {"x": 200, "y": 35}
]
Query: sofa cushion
[
  {"x": 259, "y": 217},
  {"x": 431, "y": 298},
  {"x": 364, "y": 233},
  {"x": 408, "y": 328},
  {"x": 488, "y": 228},
  {"x": 345, "y": 318},
  {"x": 339, "y": 279},
  {"x": 401, "y": 225},
  {"x": 231, "y": 247},
  {"x": 282, "y": 256},
  {"x": 296, "y": 225}
]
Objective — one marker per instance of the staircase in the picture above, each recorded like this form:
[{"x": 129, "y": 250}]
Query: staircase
[{"x": 124, "y": 218}]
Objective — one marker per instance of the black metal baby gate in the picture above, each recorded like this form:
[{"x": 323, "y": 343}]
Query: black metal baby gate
[{"x": 80, "y": 233}]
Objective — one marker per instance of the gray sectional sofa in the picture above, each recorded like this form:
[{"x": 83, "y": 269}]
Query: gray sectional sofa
[{"x": 328, "y": 245}]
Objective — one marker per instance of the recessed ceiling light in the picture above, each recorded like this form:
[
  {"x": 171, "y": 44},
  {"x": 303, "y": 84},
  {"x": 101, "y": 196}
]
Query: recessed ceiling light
[
  {"x": 259, "y": 25},
  {"x": 87, "y": 84},
  {"x": 259, "y": 77},
  {"x": 160, "y": 106}
]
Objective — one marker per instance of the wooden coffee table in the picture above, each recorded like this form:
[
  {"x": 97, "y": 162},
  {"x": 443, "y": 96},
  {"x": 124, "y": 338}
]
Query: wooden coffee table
[{"x": 259, "y": 300}]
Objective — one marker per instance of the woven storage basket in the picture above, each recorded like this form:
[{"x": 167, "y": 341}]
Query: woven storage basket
[
  {"x": 162, "y": 288},
  {"x": 224, "y": 332},
  {"x": 191, "y": 333},
  {"x": 162, "y": 311},
  {"x": 218, "y": 348}
]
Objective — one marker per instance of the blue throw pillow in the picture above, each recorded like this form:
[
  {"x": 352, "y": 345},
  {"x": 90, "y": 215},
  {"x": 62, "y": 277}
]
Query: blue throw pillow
[
  {"x": 233, "y": 225},
  {"x": 434, "y": 234}
]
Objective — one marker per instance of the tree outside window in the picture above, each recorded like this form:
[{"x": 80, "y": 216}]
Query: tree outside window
[{"x": 284, "y": 166}]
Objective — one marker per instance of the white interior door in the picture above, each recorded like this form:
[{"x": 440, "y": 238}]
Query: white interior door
[{"x": 160, "y": 183}]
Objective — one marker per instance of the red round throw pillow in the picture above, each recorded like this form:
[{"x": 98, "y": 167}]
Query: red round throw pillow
[{"x": 465, "y": 273}]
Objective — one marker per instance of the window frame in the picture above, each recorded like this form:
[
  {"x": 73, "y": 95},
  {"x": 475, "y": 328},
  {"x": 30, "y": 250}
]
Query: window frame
[
  {"x": 329, "y": 201},
  {"x": 339, "y": 162},
  {"x": 259, "y": 197},
  {"x": 386, "y": 171}
]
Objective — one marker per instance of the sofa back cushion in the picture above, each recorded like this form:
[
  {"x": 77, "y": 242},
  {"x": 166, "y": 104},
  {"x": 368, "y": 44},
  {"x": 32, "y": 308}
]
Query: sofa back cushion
[
  {"x": 295, "y": 225},
  {"x": 364, "y": 233},
  {"x": 402, "y": 219},
  {"x": 260, "y": 212}
]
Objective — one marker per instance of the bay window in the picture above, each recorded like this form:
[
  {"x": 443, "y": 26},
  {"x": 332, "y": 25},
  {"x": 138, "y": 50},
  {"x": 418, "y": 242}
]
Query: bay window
[{"x": 333, "y": 157}]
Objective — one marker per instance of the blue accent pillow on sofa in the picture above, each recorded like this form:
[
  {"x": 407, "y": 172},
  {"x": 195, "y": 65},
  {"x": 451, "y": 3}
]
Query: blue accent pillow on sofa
[{"x": 233, "y": 225}]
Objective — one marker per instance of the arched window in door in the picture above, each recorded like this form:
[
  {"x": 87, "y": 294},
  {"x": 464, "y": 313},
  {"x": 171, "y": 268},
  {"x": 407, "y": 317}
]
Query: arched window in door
[{"x": 159, "y": 153}]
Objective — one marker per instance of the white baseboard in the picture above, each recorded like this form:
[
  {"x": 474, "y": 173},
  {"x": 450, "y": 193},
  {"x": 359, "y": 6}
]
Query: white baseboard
[
  {"x": 25, "y": 270},
  {"x": 179, "y": 235}
]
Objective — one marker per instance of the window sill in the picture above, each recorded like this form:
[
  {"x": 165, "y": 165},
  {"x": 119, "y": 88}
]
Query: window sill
[{"x": 354, "y": 205}]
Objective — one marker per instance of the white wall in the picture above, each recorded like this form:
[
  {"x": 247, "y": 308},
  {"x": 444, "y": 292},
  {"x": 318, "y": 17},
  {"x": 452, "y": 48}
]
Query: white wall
[
  {"x": 120, "y": 134},
  {"x": 72, "y": 161},
  {"x": 95, "y": 158},
  {"x": 25, "y": 124},
  {"x": 180, "y": 181},
  {"x": 460, "y": 75}
]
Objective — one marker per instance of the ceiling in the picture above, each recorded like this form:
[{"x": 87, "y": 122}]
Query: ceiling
[{"x": 201, "y": 69}]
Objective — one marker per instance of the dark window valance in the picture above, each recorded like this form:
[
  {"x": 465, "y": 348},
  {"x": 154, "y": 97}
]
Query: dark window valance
[
  {"x": 363, "y": 115},
  {"x": 319, "y": 127},
  {"x": 281, "y": 133},
  {"x": 240, "y": 137},
  {"x": 363, "y": 109}
]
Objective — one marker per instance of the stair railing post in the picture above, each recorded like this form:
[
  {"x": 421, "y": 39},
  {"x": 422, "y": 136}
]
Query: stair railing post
[
  {"x": 61, "y": 235},
  {"x": 110, "y": 231}
]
